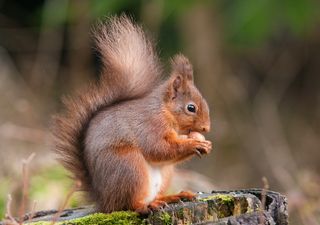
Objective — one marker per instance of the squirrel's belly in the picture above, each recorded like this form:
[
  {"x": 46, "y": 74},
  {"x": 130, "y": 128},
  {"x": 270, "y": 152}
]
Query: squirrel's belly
[{"x": 155, "y": 182}]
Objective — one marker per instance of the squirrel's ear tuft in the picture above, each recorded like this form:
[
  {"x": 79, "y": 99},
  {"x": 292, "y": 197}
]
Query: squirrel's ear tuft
[
  {"x": 181, "y": 77},
  {"x": 182, "y": 66}
]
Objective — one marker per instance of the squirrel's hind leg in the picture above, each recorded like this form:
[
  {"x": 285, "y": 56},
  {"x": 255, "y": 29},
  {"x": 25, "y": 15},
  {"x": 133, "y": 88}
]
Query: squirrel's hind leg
[
  {"x": 121, "y": 184},
  {"x": 161, "y": 199}
]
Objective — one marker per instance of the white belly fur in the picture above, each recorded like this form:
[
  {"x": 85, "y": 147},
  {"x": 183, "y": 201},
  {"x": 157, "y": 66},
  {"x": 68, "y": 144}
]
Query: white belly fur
[{"x": 155, "y": 182}]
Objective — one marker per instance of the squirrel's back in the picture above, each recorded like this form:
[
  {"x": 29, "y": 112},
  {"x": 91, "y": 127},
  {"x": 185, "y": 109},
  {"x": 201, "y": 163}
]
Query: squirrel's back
[{"x": 131, "y": 70}]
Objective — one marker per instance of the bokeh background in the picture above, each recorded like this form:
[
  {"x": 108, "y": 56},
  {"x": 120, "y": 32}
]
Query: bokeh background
[{"x": 257, "y": 62}]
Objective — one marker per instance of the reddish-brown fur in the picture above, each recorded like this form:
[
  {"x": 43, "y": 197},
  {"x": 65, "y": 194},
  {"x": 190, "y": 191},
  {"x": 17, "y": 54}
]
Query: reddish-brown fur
[{"x": 114, "y": 134}]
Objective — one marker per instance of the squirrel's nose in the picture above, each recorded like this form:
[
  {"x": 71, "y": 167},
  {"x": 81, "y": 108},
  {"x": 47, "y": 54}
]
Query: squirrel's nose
[{"x": 205, "y": 128}]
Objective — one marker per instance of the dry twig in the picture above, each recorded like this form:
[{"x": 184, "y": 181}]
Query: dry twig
[
  {"x": 25, "y": 188},
  {"x": 32, "y": 211},
  {"x": 263, "y": 199},
  {"x": 74, "y": 188},
  {"x": 9, "y": 218}
]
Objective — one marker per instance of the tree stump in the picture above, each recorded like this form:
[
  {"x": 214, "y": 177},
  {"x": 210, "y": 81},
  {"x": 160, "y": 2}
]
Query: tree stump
[{"x": 218, "y": 208}]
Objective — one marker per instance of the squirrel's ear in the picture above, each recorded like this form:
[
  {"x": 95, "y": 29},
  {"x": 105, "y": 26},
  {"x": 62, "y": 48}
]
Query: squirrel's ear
[
  {"x": 181, "y": 76},
  {"x": 182, "y": 66},
  {"x": 174, "y": 87},
  {"x": 176, "y": 83}
]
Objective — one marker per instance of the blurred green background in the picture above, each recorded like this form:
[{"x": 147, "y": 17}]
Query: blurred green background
[{"x": 257, "y": 62}]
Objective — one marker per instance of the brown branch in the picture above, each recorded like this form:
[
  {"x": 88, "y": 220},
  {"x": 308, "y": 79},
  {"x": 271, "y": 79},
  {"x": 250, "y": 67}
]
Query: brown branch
[
  {"x": 10, "y": 219},
  {"x": 32, "y": 211},
  {"x": 25, "y": 188},
  {"x": 74, "y": 188},
  {"x": 263, "y": 199}
]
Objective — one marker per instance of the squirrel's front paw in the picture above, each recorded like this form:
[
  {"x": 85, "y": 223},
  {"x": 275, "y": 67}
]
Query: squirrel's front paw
[{"x": 202, "y": 147}]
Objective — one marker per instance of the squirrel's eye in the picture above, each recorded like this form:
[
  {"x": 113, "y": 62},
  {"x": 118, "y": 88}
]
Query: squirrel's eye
[{"x": 191, "y": 108}]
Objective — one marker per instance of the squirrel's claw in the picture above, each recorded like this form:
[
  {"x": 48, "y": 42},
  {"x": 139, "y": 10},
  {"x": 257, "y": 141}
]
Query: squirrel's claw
[{"x": 198, "y": 153}]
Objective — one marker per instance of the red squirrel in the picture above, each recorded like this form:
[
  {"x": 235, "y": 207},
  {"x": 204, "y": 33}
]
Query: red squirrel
[{"x": 122, "y": 136}]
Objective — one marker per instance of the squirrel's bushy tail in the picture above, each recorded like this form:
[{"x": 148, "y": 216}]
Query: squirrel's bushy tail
[{"x": 130, "y": 70}]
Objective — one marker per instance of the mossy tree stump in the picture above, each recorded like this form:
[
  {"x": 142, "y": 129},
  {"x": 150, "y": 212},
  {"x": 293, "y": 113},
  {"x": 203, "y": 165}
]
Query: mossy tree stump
[{"x": 218, "y": 208}]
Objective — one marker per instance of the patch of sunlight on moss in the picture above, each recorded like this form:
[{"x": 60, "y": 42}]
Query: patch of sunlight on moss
[
  {"x": 121, "y": 218},
  {"x": 225, "y": 198}
]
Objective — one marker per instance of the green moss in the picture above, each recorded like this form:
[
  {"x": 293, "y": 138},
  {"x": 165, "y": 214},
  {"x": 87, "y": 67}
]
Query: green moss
[
  {"x": 223, "y": 204},
  {"x": 166, "y": 218},
  {"x": 224, "y": 197},
  {"x": 121, "y": 218}
]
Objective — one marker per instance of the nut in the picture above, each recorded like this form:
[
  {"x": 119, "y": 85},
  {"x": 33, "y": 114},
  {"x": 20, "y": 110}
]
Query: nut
[{"x": 197, "y": 136}]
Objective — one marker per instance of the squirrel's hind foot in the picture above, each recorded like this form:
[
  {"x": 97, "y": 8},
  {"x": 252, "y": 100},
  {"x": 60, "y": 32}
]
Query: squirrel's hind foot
[{"x": 182, "y": 196}]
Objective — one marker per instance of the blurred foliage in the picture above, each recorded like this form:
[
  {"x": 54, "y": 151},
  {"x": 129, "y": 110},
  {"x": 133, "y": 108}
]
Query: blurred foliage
[
  {"x": 246, "y": 22},
  {"x": 55, "y": 180},
  {"x": 42, "y": 182},
  {"x": 254, "y": 21},
  {"x": 4, "y": 187}
]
